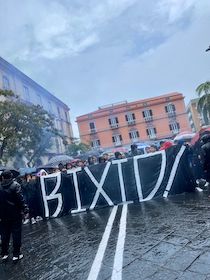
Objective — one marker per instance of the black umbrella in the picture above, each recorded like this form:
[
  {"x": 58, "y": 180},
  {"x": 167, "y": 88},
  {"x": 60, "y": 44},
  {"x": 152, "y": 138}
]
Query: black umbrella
[
  {"x": 54, "y": 161},
  {"x": 27, "y": 170},
  {"x": 15, "y": 173},
  {"x": 46, "y": 167}
]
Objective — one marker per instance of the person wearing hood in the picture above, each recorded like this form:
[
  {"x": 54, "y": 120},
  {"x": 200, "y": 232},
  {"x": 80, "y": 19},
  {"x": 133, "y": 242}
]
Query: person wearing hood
[
  {"x": 12, "y": 207},
  {"x": 165, "y": 145}
]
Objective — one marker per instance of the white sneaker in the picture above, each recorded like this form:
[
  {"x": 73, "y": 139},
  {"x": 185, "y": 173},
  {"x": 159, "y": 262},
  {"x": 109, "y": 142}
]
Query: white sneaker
[
  {"x": 26, "y": 221},
  {"x": 199, "y": 189},
  {"x": 5, "y": 257},
  {"x": 38, "y": 218},
  {"x": 33, "y": 221},
  {"x": 17, "y": 258}
]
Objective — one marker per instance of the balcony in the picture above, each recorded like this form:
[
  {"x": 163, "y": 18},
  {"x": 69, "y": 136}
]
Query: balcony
[
  {"x": 148, "y": 119},
  {"x": 134, "y": 140},
  {"x": 131, "y": 122},
  {"x": 152, "y": 136},
  {"x": 172, "y": 114},
  {"x": 93, "y": 131},
  {"x": 114, "y": 125},
  {"x": 118, "y": 143},
  {"x": 175, "y": 131}
]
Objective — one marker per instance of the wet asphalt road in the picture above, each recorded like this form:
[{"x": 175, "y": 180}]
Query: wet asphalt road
[{"x": 164, "y": 239}]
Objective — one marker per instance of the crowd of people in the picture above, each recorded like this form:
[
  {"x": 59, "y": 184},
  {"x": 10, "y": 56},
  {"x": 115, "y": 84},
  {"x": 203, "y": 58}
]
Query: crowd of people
[{"x": 18, "y": 206}]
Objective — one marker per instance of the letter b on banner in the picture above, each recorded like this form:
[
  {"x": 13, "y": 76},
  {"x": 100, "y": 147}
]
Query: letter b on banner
[{"x": 52, "y": 195}]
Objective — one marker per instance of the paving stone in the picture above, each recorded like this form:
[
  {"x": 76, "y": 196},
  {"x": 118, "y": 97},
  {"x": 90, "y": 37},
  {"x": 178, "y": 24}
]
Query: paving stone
[
  {"x": 202, "y": 268},
  {"x": 181, "y": 260},
  {"x": 139, "y": 269},
  {"x": 205, "y": 258},
  {"x": 164, "y": 274},
  {"x": 161, "y": 253},
  {"x": 176, "y": 239},
  {"x": 189, "y": 275}
]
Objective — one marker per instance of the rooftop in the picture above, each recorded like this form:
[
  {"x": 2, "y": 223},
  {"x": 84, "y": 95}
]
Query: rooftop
[
  {"x": 27, "y": 79},
  {"x": 126, "y": 103}
]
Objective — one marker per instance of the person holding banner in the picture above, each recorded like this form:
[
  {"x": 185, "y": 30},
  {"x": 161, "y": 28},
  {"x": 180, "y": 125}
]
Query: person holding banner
[
  {"x": 12, "y": 207},
  {"x": 206, "y": 156}
]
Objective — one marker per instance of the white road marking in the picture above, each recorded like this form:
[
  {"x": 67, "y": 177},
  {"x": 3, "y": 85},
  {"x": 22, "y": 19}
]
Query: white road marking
[
  {"x": 118, "y": 259},
  {"x": 96, "y": 266}
]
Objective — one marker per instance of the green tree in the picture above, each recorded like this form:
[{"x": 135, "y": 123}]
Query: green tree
[
  {"x": 22, "y": 128},
  {"x": 75, "y": 149},
  {"x": 203, "y": 91}
]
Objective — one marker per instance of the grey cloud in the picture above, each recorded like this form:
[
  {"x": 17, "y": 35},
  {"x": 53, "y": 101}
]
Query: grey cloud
[
  {"x": 52, "y": 29},
  {"x": 102, "y": 52}
]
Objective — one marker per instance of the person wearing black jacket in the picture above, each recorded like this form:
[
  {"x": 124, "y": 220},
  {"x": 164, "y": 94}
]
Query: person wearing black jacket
[
  {"x": 206, "y": 155},
  {"x": 12, "y": 207}
]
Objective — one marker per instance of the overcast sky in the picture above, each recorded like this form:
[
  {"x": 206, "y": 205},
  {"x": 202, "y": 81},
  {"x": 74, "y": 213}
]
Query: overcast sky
[{"x": 95, "y": 52}]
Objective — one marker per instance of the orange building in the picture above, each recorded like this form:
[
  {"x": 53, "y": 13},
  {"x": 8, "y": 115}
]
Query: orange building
[{"x": 123, "y": 123}]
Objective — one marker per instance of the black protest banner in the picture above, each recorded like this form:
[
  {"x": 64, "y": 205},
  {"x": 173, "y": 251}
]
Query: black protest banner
[{"x": 140, "y": 178}]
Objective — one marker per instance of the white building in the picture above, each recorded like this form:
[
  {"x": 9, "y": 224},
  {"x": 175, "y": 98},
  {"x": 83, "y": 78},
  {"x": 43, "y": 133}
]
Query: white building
[{"x": 30, "y": 92}]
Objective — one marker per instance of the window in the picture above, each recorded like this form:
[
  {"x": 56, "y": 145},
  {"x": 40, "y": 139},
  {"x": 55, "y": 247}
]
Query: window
[
  {"x": 134, "y": 135},
  {"x": 147, "y": 114},
  {"x": 170, "y": 109},
  {"x": 62, "y": 128},
  {"x": 59, "y": 112},
  {"x": 113, "y": 122},
  {"x": 92, "y": 127},
  {"x": 130, "y": 118},
  {"x": 6, "y": 84},
  {"x": 57, "y": 144},
  {"x": 26, "y": 93},
  {"x": 66, "y": 115},
  {"x": 117, "y": 140},
  {"x": 50, "y": 109},
  {"x": 58, "y": 125},
  {"x": 174, "y": 127},
  {"x": 96, "y": 143},
  {"x": 39, "y": 98},
  {"x": 151, "y": 132}
]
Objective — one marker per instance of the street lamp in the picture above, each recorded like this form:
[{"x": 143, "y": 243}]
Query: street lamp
[{"x": 208, "y": 49}]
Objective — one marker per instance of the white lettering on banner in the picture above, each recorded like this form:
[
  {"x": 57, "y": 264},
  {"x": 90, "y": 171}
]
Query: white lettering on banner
[
  {"x": 161, "y": 176},
  {"x": 52, "y": 195},
  {"x": 138, "y": 177},
  {"x": 99, "y": 186},
  {"x": 76, "y": 187},
  {"x": 173, "y": 171},
  {"x": 122, "y": 185}
]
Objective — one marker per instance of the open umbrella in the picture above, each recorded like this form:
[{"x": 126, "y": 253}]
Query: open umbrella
[
  {"x": 120, "y": 149},
  {"x": 14, "y": 171},
  {"x": 27, "y": 170},
  {"x": 54, "y": 161},
  {"x": 187, "y": 135},
  {"x": 198, "y": 134}
]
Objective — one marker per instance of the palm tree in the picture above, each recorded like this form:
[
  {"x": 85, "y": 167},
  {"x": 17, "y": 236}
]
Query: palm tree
[{"x": 203, "y": 91}]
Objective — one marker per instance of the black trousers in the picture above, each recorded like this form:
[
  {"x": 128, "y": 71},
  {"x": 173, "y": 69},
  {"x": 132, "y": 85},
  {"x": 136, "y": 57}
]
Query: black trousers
[{"x": 9, "y": 228}]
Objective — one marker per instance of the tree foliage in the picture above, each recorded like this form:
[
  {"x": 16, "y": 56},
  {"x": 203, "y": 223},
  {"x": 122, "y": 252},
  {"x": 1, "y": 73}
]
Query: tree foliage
[
  {"x": 22, "y": 127},
  {"x": 76, "y": 149},
  {"x": 203, "y": 91}
]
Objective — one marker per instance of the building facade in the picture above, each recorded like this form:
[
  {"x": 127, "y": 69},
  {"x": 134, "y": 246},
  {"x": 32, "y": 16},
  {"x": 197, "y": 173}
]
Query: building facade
[
  {"x": 32, "y": 93},
  {"x": 124, "y": 123},
  {"x": 196, "y": 119}
]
